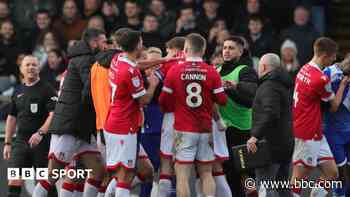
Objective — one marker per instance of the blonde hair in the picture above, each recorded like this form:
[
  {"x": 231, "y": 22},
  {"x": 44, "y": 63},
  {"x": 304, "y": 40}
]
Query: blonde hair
[{"x": 154, "y": 50}]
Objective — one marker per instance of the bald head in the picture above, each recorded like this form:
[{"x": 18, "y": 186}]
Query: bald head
[{"x": 268, "y": 62}]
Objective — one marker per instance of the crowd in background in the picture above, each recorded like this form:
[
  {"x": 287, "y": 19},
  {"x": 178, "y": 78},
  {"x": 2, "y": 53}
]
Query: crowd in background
[{"x": 45, "y": 28}]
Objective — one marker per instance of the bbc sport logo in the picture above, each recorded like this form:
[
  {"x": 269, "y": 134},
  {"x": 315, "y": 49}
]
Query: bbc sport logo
[{"x": 43, "y": 173}]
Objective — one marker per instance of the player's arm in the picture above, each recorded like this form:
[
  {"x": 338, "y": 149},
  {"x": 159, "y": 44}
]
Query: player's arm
[
  {"x": 336, "y": 101},
  {"x": 165, "y": 99},
  {"x": 218, "y": 90},
  {"x": 147, "y": 97},
  {"x": 145, "y": 64}
]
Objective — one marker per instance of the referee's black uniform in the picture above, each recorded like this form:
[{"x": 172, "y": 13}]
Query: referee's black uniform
[{"x": 31, "y": 106}]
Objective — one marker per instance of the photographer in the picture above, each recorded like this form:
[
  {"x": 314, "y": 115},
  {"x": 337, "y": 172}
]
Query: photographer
[
  {"x": 337, "y": 124},
  {"x": 31, "y": 111},
  {"x": 272, "y": 121}
]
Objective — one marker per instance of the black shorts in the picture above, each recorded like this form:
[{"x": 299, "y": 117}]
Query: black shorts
[{"x": 23, "y": 156}]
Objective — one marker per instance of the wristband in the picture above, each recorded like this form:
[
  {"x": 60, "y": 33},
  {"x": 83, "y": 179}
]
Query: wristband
[
  {"x": 7, "y": 144},
  {"x": 41, "y": 133}
]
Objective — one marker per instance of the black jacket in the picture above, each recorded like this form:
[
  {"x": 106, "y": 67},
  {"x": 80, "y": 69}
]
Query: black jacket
[
  {"x": 104, "y": 58},
  {"x": 272, "y": 115},
  {"x": 248, "y": 82},
  {"x": 74, "y": 113}
]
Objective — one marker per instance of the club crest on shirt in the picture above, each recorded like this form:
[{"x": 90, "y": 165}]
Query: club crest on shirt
[
  {"x": 34, "y": 108},
  {"x": 309, "y": 160},
  {"x": 136, "y": 82},
  {"x": 130, "y": 162}
]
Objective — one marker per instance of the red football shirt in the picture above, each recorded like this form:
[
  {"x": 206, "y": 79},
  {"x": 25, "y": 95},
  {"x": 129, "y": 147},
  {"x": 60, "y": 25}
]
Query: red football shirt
[
  {"x": 311, "y": 86},
  {"x": 195, "y": 86},
  {"x": 126, "y": 82}
]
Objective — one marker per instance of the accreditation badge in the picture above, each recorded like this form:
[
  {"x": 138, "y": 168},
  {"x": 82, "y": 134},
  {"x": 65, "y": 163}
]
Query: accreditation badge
[{"x": 34, "y": 107}]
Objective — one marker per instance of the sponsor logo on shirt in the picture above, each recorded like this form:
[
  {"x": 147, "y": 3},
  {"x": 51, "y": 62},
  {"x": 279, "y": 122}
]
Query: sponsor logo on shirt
[
  {"x": 54, "y": 98},
  {"x": 34, "y": 107}
]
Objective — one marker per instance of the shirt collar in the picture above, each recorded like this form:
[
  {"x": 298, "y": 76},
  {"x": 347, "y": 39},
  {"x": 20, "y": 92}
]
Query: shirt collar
[
  {"x": 124, "y": 58},
  {"x": 194, "y": 59},
  {"x": 313, "y": 64}
]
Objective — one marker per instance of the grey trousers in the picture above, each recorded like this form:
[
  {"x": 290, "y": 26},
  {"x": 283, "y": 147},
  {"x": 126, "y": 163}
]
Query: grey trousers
[{"x": 274, "y": 172}]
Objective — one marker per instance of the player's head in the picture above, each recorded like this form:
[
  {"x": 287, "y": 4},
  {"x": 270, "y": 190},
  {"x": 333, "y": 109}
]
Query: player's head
[
  {"x": 95, "y": 38},
  {"x": 154, "y": 53},
  {"x": 30, "y": 68},
  {"x": 195, "y": 45},
  {"x": 233, "y": 48},
  {"x": 131, "y": 42},
  {"x": 117, "y": 35},
  {"x": 325, "y": 50},
  {"x": 175, "y": 45},
  {"x": 345, "y": 65},
  {"x": 267, "y": 63}
]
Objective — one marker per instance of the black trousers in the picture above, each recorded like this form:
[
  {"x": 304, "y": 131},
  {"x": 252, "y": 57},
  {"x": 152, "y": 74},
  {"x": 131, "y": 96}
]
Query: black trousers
[{"x": 234, "y": 137}]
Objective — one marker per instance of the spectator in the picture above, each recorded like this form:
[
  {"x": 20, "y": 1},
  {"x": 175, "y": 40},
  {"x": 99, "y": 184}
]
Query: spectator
[
  {"x": 302, "y": 33},
  {"x": 207, "y": 18},
  {"x": 132, "y": 13},
  {"x": 96, "y": 22},
  {"x": 272, "y": 121},
  {"x": 187, "y": 3},
  {"x": 110, "y": 13},
  {"x": 4, "y": 11},
  {"x": 47, "y": 41},
  {"x": 218, "y": 26},
  {"x": 165, "y": 17},
  {"x": 216, "y": 45},
  {"x": 42, "y": 23},
  {"x": 150, "y": 33},
  {"x": 70, "y": 23},
  {"x": 259, "y": 40},
  {"x": 289, "y": 58},
  {"x": 91, "y": 8},
  {"x": 24, "y": 11},
  {"x": 186, "y": 22},
  {"x": 216, "y": 59},
  {"x": 9, "y": 49},
  {"x": 242, "y": 18},
  {"x": 55, "y": 66}
]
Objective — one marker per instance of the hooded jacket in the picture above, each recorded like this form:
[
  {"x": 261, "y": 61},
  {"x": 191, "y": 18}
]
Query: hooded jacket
[
  {"x": 74, "y": 113},
  {"x": 272, "y": 114}
]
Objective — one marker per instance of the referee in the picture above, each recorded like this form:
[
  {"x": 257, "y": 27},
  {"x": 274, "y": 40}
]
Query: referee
[{"x": 31, "y": 111}]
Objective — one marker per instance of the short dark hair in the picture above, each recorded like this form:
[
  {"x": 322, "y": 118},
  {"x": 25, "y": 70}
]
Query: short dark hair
[
  {"x": 128, "y": 40},
  {"x": 197, "y": 42},
  {"x": 118, "y": 34},
  {"x": 91, "y": 33},
  {"x": 58, "y": 52},
  {"x": 236, "y": 39},
  {"x": 177, "y": 42},
  {"x": 256, "y": 17},
  {"x": 43, "y": 11},
  {"x": 324, "y": 45},
  {"x": 132, "y": 1},
  {"x": 150, "y": 14}
]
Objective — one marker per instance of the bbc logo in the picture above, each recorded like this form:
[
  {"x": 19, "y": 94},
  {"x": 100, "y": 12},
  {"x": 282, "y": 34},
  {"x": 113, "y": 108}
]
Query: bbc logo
[{"x": 27, "y": 173}]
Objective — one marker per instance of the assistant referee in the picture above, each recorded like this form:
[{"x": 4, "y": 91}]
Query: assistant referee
[{"x": 31, "y": 111}]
